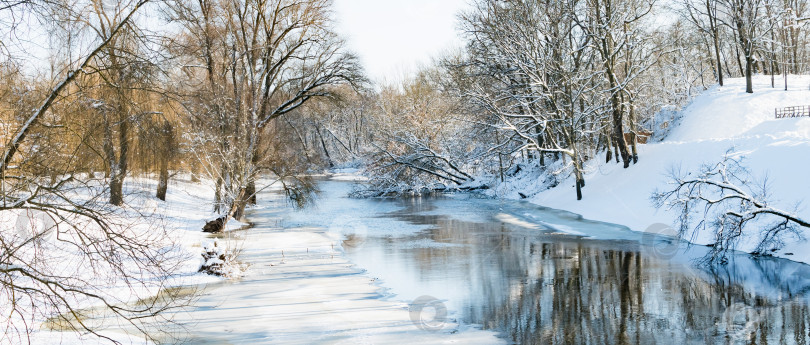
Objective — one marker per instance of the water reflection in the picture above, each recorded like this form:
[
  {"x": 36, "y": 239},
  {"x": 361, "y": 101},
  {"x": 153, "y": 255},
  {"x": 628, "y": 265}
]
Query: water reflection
[{"x": 543, "y": 287}]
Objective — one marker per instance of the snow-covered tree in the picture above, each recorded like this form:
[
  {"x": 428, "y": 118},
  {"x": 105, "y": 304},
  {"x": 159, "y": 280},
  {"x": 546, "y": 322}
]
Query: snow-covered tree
[
  {"x": 258, "y": 61},
  {"x": 724, "y": 200}
]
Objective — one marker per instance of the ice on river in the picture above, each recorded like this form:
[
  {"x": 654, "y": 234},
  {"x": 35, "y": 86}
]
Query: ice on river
[
  {"x": 355, "y": 270},
  {"x": 302, "y": 289}
]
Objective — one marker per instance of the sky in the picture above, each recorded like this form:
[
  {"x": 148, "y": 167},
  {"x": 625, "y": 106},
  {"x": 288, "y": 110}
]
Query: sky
[{"x": 394, "y": 37}]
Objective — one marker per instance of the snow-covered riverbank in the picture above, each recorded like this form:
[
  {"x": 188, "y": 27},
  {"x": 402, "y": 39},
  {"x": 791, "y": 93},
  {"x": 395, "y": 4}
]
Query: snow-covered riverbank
[
  {"x": 721, "y": 119},
  {"x": 317, "y": 293},
  {"x": 299, "y": 287},
  {"x": 302, "y": 289},
  {"x": 177, "y": 223}
]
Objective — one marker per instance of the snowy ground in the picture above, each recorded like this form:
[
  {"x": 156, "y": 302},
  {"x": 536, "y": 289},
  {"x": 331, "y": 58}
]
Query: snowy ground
[
  {"x": 298, "y": 286},
  {"x": 720, "y": 119},
  {"x": 187, "y": 207},
  {"x": 321, "y": 283},
  {"x": 302, "y": 289}
]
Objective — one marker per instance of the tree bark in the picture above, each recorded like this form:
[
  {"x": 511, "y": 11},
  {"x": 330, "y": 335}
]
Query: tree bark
[
  {"x": 716, "y": 38},
  {"x": 747, "y": 47},
  {"x": 218, "y": 195},
  {"x": 633, "y": 134},
  {"x": 165, "y": 156},
  {"x": 250, "y": 188},
  {"x": 749, "y": 84},
  {"x": 739, "y": 61},
  {"x": 118, "y": 174},
  {"x": 163, "y": 182},
  {"x": 323, "y": 145},
  {"x": 618, "y": 130}
]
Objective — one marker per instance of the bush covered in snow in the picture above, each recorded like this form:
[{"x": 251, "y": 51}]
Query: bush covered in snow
[{"x": 220, "y": 261}]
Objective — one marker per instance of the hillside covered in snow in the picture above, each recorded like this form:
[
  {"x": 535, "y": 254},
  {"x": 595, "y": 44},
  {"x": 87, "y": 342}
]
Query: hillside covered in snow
[{"x": 721, "y": 119}]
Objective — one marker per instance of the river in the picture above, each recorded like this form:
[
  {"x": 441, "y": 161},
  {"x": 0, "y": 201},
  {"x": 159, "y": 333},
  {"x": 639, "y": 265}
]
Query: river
[{"x": 465, "y": 269}]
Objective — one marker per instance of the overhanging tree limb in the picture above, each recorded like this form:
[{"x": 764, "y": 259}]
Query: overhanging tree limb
[
  {"x": 14, "y": 144},
  {"x": 728, "y": 204}
]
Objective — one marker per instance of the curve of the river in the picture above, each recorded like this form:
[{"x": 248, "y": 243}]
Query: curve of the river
[{"x": 461, "y": 269}]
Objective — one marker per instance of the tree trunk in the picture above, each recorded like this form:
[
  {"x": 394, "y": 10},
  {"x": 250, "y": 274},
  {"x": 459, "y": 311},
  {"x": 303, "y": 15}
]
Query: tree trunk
[
  {"x": 163, "y": 182},
  {"x": 165, "y": 156},
  {"x": 749, "y": 85},
  {"x": 218, "y": 195},
  {"x": 323, "y": 145},
  {"x": 608, "y": 148},
  {"x": 615, "y": 102},
  {"x": 618, "y": 130},
  {"x": 250, "y": 189},
  {"x": 123, "y": 160},
  {"x": 580, "y": 181},
  {"x": 784, "y": 71},
  {"x": 239, "y": 204},
  {"x": 632, "y": 120},
  {"x": 748, "y": 51},
  {"x": 794, "y": 48},
  {"x": 118, "y": 163},
  {"x": 737, "y": 52},
  {"x": 117, "y": 189},
  {"x": 615, "y": 149},
  {"x": 716, "y": 39},
  {"x": 540, "y": 144}
]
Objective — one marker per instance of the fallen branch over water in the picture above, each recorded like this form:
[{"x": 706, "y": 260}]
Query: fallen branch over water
[{"x": 392, "y": 193}]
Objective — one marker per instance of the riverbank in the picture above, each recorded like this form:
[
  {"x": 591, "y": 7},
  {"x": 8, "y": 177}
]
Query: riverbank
[
  {"x": 300, "y": 287},
  {"x": 720, "y": 120},
  {"x": 174, "y": 224},
  {"x": 319, "y": 294},
  {"x": 498, "y": 264}
]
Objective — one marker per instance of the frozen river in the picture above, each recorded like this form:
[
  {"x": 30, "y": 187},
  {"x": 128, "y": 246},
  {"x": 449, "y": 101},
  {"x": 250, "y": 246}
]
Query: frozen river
[{"x": 463, "y": 269}]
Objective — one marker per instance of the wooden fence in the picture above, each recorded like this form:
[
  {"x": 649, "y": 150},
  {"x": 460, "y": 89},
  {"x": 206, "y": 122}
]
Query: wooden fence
[{"x": 794, "y": 111}]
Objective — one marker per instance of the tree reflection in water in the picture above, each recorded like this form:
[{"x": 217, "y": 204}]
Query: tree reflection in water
[{"x": 541, "y": 287}]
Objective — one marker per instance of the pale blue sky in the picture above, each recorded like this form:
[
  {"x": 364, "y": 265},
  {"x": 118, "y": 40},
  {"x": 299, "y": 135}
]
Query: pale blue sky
[{"x": 393, "y": 37}]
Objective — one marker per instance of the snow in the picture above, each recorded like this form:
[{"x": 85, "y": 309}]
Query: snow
[
  {"x": 316, "y": 282},
  {"x": 188, "y": 205},
  {"x": 347, "y": 174},
  {"x": 720, "y": 119},
  {"x": 297, "y": 286},
  {"x": 70, "y": 338},
  {"x": 301, "y": 288}
]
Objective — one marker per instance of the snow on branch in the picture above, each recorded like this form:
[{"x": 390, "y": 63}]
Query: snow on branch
[{"x": 725, "y": 200}]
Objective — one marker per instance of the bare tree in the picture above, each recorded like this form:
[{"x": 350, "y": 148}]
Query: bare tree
[
  {"x": 724, "y": 200},
  {"x": 73, "y": 70},
  {"x": 704, "y": 15},
  {"x": 552, "y": 71},
  {"x": 747, "y": 22},
  {"x": 63, "y": 253},
  {"x": 421, "y": 142},
  {"x": 262, "y": 60},
  {"x": 61, "y": 249},
  {"x": 606, "y": 23}
]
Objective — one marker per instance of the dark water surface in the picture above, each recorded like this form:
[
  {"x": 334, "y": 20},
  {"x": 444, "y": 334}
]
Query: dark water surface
[{"x": 542, "y": 276}]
